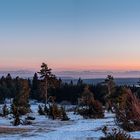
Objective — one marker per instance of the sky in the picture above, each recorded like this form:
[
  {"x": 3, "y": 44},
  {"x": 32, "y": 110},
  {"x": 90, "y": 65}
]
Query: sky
[{"x": 70, "y": 34}]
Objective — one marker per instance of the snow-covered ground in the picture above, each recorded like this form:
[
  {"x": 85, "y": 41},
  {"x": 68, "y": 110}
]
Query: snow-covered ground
[{"x": 45, "y": 129}]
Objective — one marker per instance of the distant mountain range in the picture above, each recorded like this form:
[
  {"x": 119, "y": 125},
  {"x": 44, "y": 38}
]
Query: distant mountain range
[
  {"x": 98, "y": 74},
  {"x": 77, "y": 74}
]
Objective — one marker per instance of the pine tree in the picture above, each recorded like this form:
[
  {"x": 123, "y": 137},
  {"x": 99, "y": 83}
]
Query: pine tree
[
  {"x": 8, "y": 77},
  {"x": 111, "y": 86},
  {"x": 79, "y": 82},
  {"x": 48, "y": 79},
  {"x": 88, "y": 106},
  {"x": 21, "y": 100},
  {"x": 35, "y": 82},
  {"x": 5, "y": 110},
  {"x": 128, "y": 111},
  {"x": 34, "y": 90}
]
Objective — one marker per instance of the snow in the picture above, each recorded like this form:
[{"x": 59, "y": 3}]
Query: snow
[
  {"x": 43, "y": 128},
  {"x": 135, "y": 135}
]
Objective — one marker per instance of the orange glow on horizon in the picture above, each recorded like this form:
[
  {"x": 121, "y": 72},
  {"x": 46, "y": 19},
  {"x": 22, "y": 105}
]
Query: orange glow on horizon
[
  {"x": 60, "y": 66},
  {"x": 36, "y": 67}
]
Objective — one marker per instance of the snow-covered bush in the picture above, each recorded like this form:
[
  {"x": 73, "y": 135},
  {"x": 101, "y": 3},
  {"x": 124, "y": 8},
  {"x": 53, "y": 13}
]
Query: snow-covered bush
[
  {"x": 116, "y": 135},
  {"x": 40, "y": 110},
  {"x": 53, "y": 112}
]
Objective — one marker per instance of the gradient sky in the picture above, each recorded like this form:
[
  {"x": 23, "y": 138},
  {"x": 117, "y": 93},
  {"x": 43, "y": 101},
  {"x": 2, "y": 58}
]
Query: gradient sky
[{"x": 70, "y": 34}]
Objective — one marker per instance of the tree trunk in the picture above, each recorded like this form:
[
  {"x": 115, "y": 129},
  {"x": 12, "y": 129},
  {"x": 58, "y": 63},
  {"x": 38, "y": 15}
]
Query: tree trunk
[{"x": 46, "y": 91}]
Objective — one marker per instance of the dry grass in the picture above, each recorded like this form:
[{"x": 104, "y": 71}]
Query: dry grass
[{"x": 8, "y": 130}]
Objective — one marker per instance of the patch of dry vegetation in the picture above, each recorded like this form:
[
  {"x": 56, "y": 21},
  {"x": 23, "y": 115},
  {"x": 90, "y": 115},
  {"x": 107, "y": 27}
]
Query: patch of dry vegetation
[{"x": 128, "y": 113}]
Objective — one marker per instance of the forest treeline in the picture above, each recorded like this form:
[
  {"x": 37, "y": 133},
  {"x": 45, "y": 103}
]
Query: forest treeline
[{"x": 37, "y": 87}]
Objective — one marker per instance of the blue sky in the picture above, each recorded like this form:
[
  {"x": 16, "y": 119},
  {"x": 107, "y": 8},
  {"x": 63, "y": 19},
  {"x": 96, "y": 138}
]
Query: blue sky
[{"x": 70, "y": 34}]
